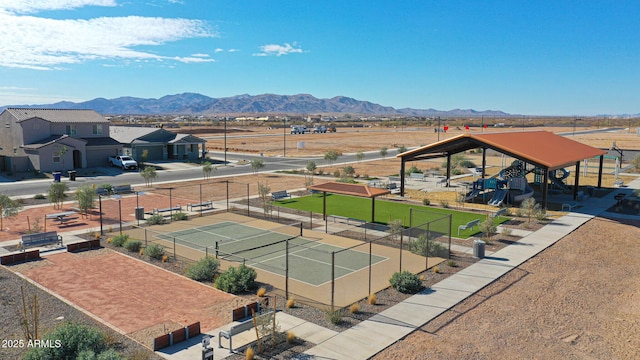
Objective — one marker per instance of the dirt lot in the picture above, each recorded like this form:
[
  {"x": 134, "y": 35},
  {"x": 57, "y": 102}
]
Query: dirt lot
[{"x": 578, "y": 299}]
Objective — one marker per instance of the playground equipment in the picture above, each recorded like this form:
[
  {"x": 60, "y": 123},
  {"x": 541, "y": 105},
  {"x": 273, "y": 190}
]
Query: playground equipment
[
  {"x": 512, "y": 187},
  {"x": 558, "y": 181}
]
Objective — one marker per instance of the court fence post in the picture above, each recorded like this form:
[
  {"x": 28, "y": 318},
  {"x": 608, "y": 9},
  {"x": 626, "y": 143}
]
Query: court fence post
[
  {"x": 333, "y": 278},
  {"x": 145, "y": 238},
  {"x": 450, "y": 220},
  {"x": 370, "y": 260},
  {"x": 311, "y": 220},
  {"x": 286, "y": 270},
  {"x": 227, "y": 181},
  {"x": 248, "y": 213},
  {"x": 174, "y": 249},
  {"x": 426, "y": 256},
  {"x": 217, "y": 248},
  {"x": 401, "y": 233}
]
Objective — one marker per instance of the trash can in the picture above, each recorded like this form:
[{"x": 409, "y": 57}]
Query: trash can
[
  {"x": 72, "y": 175},
  {"x": 478, "y": 249},
  {"x": 140, "y": 213},
  {"x": 56, "y": 176}
]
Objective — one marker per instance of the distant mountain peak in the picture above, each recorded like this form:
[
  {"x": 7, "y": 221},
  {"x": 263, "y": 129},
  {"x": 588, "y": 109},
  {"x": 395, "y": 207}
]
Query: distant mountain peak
[{"x": 197, "y": 104}]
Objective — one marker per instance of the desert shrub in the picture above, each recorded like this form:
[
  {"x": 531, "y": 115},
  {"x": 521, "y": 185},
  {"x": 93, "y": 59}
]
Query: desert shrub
[
  {"x": 291, "y": 337},
  {"x": 249, "y": 354},
  {"x": 405, "y": 282},
  {"x": 541, "y": 215},
  {"x": 354, "y": 308},
  {"x": 39, "y": 197},
  {"x": 119, "y": 240},
  {"x": 132, "y": 245},
  {"x": 179, "y": 216},
  {"x": 261, "y": 292},
  {"x": 413, "y": 169},
  {"x": 237, "y": 279},
  {"x": 444, "y": 203},
  {"x": 203, "y": 270},
  {"x": 456, "y": 171},
  {"x": 466, "y": 164},
  {"x": 154, "y": 251},
  {"x": 337, "y": 173},
  {"x": 452, "y": 263},
  {"x": 334, "y": 316},
  {"x": 291, "y": 302},
  {"x": 419, "y": 247},
  {"x": 155, "y": 219},
  {"x": 506, "y": 231},
  {"x": 436, "y": 269},
  {"x": 372, "y": 299},
  {"x": 426, "y": 202},
  {"x": 74, "y": 339}
]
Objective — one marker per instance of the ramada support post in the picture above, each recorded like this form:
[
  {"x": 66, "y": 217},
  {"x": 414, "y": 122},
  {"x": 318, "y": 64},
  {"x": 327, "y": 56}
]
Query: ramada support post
[
  {"x": 600, "y": 171},
  {"x": 401, "y": 178},
  {"x": 576, "y": 182}
]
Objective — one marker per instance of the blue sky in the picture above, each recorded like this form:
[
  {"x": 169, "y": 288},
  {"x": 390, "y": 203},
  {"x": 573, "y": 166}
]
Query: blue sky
[{"x": 524, "y": 57}]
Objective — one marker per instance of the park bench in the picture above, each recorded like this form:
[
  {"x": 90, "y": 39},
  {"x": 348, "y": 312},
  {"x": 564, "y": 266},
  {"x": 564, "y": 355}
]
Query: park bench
[
  {"x": 470, "y": 225},
  {"x": 416, "y": 176},
  {"x": 169, "y": 209},
  {"x": 277, "y": 195},
  {"x": 441, "y": 182},
  {"x": 501, "y": 212},
  {"x": 239, "y": 327},
  {"x": 393, "y": 187},
  {"x": 102, "y": 192},
  {"x": 204, "y": 204},
  {"x": 63, "y": 217},
  {"x": 569, "y": 206},
  {"x": 122, "y": 189},
  {"x": 40, "y": 239}
]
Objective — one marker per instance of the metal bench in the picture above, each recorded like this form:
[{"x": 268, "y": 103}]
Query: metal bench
[
  {"x": 169, "y": 209},
  {"x": 237, "y": 328},
  {"x": 470, "y": 225},
  {"x": 500, "y": 212},
  {"x": 618, "y": 183},
  {"x": 416, "y": 176},
  {"x": 102, "y": 192},
  {"x": 394, "y": 188},
  {"x": 277, "y": 195},
  {"x": 204, "y": 204},
  {"x": 569, "y": 206},
  {"x": 122, "y": 189},
  {"x": 40, "y": 239}
]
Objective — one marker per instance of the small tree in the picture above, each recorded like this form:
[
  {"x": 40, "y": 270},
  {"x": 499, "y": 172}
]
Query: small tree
[
  {"x": 636, "y": 163},
  {"x": 488, "y": 228},
  {"x": 359, "y": 156},
  {"x": 263, "y": 193},
  {"x": 207, "y": 169},
  {"x": 256, "y": 165},
  {"x": 86, "y": 197},
  {"x": 311, "y": 168},
  {"x": 144, "y": 156},
  {"x": 331, "y": 156},
  {"x": 348, "y": 171},
  {"x": 395, "y": 230},
  {"x": 383, "y": 152},
  {"x": 56, "y": 193},
  {"x": 8, "y": 208},
  {"x": 149, "y": 174},
  {"x": 402, "y": 149},
  {"x": 529, "y": 207},
  {"x": 62, "y": 150}
]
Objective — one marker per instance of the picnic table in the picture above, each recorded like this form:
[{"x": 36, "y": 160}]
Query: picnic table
[{"x": 62, "y": 217}]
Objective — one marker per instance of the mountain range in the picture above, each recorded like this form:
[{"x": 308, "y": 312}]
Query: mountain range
[{"x": 198, "y": 104}]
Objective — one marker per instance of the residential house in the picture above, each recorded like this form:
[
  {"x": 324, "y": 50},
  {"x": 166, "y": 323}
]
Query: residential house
[
  {"x": 54, "y": 140},
  {"x": 157, "y": 144}
]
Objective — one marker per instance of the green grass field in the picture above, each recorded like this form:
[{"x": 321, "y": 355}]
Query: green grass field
[{"x": 360, "y": 208}]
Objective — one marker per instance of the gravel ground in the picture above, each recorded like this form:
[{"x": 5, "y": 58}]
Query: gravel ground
[
  {"x": 51, "y": 312},
  {"x": 579, "y": 299}
]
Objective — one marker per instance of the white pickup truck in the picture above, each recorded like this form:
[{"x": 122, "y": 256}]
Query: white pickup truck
[{"x": 123, "y": 161}]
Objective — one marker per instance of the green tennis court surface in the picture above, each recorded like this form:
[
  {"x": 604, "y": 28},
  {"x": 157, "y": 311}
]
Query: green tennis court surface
[{"x": 309, "y": 260}]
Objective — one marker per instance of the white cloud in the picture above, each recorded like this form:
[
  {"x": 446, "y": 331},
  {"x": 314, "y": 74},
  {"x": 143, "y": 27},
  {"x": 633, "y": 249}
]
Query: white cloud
[
  {"x": 200, "y": 55},
  {"x": 31, "y": 6},
  {"x": 218, "y": 50},
  {"x": 278, "y": 50},
  {"x": 44, "y": 44}
]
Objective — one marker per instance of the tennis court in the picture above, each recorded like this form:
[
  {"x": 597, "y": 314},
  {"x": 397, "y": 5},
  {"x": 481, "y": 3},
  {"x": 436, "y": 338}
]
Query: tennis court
[{"x": 274, "y": 250}]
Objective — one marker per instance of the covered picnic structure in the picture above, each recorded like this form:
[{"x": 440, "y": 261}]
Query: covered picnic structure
[
  {"x": 358, "y": 190},
  {"x": 542, "y": 149}
]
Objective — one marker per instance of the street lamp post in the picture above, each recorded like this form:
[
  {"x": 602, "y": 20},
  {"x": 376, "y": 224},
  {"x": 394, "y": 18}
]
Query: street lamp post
[
  {"x": 284, "y": 137},
  {"x": 225, "y": 141}
]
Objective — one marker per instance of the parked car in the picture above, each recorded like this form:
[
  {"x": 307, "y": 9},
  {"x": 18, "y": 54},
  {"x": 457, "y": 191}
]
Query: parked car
[
  {"x": 299, "y": 129},
  {"x": 331, "y": 129},
  {"x": 123, "y": 161},
  {"x": 319, "y": 129}
]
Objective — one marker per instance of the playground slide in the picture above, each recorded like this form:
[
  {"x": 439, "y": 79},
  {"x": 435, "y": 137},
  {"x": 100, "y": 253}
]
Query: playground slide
[
  {"x": 527, "y": 193},
  {"x": 472, "y": 194},
  {"x": 498, "y": 197},
  {"x": 559, "y": 181}
]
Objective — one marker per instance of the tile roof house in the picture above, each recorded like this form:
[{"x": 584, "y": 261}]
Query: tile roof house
[
  {"x": 54, "y": 140},
  {"x": 158, "y": 143}
]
